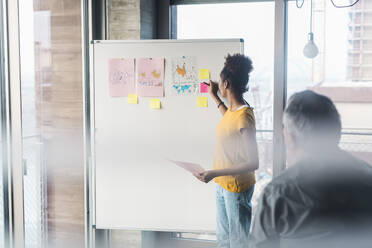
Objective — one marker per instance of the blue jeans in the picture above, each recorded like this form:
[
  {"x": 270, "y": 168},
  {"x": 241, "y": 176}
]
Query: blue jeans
[{"x": 234, "y": 213}]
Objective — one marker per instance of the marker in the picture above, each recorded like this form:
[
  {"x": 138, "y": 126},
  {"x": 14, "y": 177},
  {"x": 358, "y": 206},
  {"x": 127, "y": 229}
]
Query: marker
[{"x": 205, "y": 83}]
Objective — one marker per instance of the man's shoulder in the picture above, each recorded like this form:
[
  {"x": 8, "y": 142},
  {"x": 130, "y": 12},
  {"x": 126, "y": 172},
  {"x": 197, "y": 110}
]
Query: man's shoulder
[
  {"x": 284, "y": 182},
  {"x": 350, "y": 158},
  {"x": 307, "y": 172},
  {"x": 287, "y": 177}
]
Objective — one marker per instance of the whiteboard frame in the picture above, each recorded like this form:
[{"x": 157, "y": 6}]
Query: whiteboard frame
[
  {"x": 169, "y": 41},
  {"x": 90, "y": 125}
]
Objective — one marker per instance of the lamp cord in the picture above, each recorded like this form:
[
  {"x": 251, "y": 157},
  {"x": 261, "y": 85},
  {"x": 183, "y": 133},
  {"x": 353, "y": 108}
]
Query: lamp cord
[
  {"x": 300, "y": 3},
  {"x": 311, "y": 16},
  {"x": 343, "y": 6}
]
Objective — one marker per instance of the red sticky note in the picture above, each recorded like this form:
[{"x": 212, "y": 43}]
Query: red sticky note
[{"x": 203, "y": 88}]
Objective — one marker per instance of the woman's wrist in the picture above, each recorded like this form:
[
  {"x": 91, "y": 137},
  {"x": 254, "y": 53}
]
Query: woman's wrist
[
  {"x": 213, "y": 173},
  {"x": 217, "y": 99},
  {"x": 219, "y": 105}
]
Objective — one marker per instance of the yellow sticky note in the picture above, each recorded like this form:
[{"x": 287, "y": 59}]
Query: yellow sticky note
[
  {"x": 204, "y": 74},
  {"x": 132, "y": 99},
  {"x": 155, "y": 104},
  {"x": 202, "y": 101}
]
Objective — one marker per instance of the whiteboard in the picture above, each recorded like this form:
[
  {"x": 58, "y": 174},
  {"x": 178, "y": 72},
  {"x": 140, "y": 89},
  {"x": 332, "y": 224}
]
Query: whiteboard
[{"x": 135, "y": 187}]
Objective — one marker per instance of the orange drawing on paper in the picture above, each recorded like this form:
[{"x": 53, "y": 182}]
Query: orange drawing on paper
[
  {"x": 182, "y": 71},
  {"x": 143, "y": 74},
  {"x": 156, "y": 75}
]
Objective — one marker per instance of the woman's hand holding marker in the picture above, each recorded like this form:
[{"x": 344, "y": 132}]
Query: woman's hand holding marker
[{"x": 213, "y": 88}]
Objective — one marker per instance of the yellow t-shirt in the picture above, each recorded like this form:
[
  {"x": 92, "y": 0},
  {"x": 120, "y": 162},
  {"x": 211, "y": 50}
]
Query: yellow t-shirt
[{"x": 229, "y": 152}]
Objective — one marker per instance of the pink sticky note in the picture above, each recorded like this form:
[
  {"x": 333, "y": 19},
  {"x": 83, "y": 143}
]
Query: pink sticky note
[
  {"x": 121, "y": 77},
  {"x": 150, "y": 77},
  {"x": 203, "y": 88}
]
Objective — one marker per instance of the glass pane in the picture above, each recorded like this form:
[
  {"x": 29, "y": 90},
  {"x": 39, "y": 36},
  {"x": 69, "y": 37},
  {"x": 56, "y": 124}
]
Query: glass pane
[
  {"x": 1, "y": 178},
  {"x": 239, "y": 20},
  {"x": 52, "y": 123},
  {"x": 342, "y": 70},
  {"x": 2, "y": 139}
]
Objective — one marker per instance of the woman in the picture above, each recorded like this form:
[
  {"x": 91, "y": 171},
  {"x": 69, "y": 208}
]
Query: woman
[{"x": 236, "y": 156}]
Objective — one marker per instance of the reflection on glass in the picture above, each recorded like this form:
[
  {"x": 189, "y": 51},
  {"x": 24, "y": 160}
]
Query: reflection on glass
[
  {"x": 51, "y": 90},
  {"x": 32, "y": 42},
  {"x": 2, "y": 141},
  {"x": 1, "y": 183}
]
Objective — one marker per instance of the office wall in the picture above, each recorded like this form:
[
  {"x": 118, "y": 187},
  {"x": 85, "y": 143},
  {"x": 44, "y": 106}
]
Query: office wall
[
  {"x": 124, "y": 19},
  {"x": 132, "y": 19}
]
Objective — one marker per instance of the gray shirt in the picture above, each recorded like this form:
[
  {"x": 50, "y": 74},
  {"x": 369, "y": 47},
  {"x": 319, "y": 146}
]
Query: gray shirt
[{"x": 321, "y": 201}]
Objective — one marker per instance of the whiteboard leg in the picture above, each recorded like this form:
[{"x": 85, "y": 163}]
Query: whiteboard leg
[
  {"x": 149, "y": 239},
  {"x": 165, "y": 240},
  {"x": 103, "y": 238}
]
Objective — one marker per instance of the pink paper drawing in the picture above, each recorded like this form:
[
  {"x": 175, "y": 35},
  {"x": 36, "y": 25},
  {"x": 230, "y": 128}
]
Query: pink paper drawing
[
  {"x": 150, "y": 77},
  {"x": 121, "y": 77},
  {"x": 190, "y": 167},
  {"x": 203, "y": 88}
]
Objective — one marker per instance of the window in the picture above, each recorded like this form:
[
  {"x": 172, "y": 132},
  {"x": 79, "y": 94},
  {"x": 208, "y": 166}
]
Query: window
[
  {"x": 239, "y": 20},
  {"x": 343, "y": 68}
]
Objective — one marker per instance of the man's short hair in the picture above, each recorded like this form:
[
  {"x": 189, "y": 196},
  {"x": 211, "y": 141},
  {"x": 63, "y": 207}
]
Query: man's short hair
[{"x": 312, "y": 120}]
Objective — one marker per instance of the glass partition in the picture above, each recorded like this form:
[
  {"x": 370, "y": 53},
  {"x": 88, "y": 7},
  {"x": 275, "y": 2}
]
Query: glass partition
[{"x": 52, "y": 123}]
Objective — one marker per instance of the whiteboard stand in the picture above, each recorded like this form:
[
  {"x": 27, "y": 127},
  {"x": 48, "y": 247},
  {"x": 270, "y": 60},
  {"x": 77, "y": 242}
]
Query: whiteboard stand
[{"x": 166, "y": 240}]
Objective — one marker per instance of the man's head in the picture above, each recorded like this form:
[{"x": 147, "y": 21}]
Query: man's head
[{"x": 311, "y": 123}]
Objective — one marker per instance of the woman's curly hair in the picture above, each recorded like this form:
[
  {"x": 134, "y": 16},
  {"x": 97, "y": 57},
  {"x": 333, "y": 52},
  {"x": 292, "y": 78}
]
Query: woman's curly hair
[{"x": 236, "y": 71}]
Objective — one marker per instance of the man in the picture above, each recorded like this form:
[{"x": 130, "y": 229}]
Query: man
[{"x": 325, "y": 198}]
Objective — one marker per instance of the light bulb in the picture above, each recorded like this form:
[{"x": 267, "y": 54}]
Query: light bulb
[{"x": 310, "y": 49}]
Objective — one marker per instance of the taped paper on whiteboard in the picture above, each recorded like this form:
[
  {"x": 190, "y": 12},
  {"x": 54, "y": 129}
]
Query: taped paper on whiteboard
[
  {"x": 150, "y": 77},
  {"x": 121, "y": 77},
  {"x": 184, "y": 76}
]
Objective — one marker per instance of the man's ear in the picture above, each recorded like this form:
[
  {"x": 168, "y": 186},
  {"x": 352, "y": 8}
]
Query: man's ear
[
  {"x": 290, "y": 146},
  {"x": 288, "y": 138}
]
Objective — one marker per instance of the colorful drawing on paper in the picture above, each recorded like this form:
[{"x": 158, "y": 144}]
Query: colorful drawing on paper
[
  {"x": 184, "y": 76},
  {"x": 121, "y": 77},
  {"x": 150, "y": 77}
]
